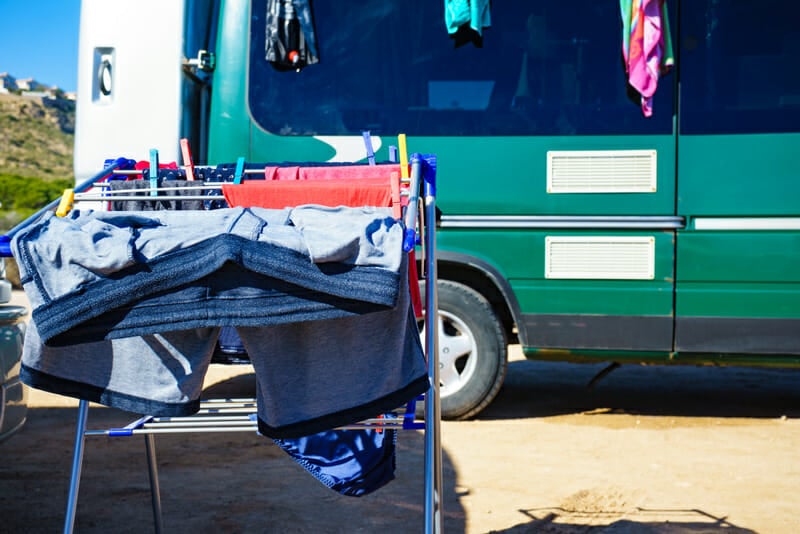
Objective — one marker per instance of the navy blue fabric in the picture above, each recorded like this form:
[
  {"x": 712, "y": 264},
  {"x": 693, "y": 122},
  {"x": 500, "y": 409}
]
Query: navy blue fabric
[
  {"x": 226, "y": 268},
  {"x": 229, "y": 341},
  {"x": 351, "y": 462},
  {"x": 230, "y": 295},
  {"x": 188, "y": 189},
  {"x": 141, "y": 300}
]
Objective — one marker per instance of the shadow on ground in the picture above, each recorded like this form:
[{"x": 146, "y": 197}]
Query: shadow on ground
[
  {"x": 544, "y": 389},
  {"x": 560, "y": 521},
  {"x": 210, "y": 482},
  {"x": 242, "y": 482}
]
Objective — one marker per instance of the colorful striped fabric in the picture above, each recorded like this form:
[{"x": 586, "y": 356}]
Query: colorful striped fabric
[{"x": 646, "y": 46}]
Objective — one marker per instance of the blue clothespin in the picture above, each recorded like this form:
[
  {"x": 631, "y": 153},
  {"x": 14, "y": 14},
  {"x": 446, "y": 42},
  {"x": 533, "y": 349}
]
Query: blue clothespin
[
  {"x": 409, "y": 416},
  {"x": 368, "y": 145},
  {"x": 393, "y": 154},
  {"x": 121, "y": 164},
  {"x": 153, "y": 172},
  {"x": 237, "y": 177}
]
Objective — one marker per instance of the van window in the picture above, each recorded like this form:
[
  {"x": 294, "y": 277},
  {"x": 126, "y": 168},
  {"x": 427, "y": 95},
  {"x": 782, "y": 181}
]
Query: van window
[
  {"x": 389, "y": 66},
  {"x": 739, "y": 67}
]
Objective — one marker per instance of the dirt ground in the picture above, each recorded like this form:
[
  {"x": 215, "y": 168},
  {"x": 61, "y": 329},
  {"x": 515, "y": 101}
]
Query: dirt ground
[{"x": 647, "y": 449}]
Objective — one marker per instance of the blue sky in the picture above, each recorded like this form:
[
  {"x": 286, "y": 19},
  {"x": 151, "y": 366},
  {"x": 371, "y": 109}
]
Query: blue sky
[{"x": 39, "y": 39}]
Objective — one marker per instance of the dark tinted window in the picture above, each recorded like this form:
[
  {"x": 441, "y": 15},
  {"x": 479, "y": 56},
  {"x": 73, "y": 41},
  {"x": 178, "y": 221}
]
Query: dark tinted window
[
  {"x": 739, "y": 66},
  {"x": 389, "y": 66}
]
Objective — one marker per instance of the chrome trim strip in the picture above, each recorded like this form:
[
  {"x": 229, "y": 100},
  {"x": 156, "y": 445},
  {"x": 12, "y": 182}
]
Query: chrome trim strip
[
  {"x": 635, "y": 222},
  {"x": 747, "y": 223}
]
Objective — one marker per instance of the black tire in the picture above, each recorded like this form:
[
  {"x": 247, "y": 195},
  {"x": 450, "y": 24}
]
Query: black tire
[{"x": 472, "y": 351}]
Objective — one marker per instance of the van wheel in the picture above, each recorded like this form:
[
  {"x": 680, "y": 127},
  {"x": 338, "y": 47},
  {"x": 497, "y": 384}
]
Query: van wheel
[{"x": 472, "y": 351}]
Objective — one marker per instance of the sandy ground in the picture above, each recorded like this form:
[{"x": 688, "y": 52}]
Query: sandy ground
[{"x": 647, "y": 449}]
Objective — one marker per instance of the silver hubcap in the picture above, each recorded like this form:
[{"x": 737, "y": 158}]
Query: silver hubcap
[{"x": 457, "y": 353}]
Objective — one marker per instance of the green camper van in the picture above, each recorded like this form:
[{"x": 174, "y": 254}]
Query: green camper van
[{"x": 570, "y": 223}]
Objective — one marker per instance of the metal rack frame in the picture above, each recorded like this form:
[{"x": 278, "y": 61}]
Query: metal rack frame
[{"x": 238, "y": 415}]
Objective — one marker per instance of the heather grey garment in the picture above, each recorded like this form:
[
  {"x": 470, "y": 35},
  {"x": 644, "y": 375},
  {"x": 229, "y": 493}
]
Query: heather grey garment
[
  {"x": 62, "y": 254},
  {"x": 362, "y": 238},
  {"x": 318, "y": 375},
  {"x": 161, "y": 374},
  {"x": 83, "y": 267},
  {"x": 310, "y": 376}
]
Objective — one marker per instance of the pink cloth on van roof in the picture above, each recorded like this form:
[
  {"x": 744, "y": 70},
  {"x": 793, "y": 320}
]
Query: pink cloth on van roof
[{"x": 646, "y": 46}]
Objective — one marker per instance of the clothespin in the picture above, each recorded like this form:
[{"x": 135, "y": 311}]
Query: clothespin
[
  {"x": 392, "y": 153},
  {"x": 120, "y": 164},
  {"x": 237, "y": 177},
  {"x": 153, "y": 172},
  {"x": 188, "y": 164},
  {"x": 409, "y": 417},
  {"x": 379, "y": 429},
  {"x": 397, "y": 206},
  {"x": 409, "y": 239},
  {"x": 368, "y": 145},
  {"x": 66, "y": 203},
  {"x": 401, "y": 140}
]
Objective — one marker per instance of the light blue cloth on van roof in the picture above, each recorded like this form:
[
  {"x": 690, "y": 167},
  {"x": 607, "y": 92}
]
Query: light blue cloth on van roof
[{"x": 473, "y": 12}]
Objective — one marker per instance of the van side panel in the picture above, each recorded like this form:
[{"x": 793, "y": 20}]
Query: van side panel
[
  {"x": 229, "y": 123},
  {"x": 611, "y": 314},
  {"x": 738, "y": 259},
  {"x": 129, "y": 82},
  {"x": 499, "y": 199}
]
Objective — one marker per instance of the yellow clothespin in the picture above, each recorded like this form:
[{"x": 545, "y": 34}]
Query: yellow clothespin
[
  {"x": 65, "y": 205},
  {"x": 401, "y": 142}
]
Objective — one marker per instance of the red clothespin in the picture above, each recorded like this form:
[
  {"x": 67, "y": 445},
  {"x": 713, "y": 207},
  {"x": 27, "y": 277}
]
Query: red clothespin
[
  {"x": 188, "y": 164},
  {"x": 397, "y": 206},
  {"x": 380, "y": 426}
]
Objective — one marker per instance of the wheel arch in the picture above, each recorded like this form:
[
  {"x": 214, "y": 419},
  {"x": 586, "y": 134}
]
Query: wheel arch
[{"x": 487, "y": 280}]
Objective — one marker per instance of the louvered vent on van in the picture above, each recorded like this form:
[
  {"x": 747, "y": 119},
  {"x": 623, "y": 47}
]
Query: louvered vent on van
[
  {"x": 612, "y": 257},
  {"x": 601, "y": 171}
]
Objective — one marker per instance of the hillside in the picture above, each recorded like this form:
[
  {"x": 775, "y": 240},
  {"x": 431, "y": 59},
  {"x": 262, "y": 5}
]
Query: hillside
[{"x": 36, "y": 137}]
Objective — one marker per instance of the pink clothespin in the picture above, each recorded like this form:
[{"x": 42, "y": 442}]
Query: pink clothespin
[{"x": 187, "y": 159}]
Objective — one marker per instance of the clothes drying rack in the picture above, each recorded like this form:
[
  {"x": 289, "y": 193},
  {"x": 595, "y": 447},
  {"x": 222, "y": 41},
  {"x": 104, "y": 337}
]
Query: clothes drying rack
[{"x": 239, "y": 415}]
